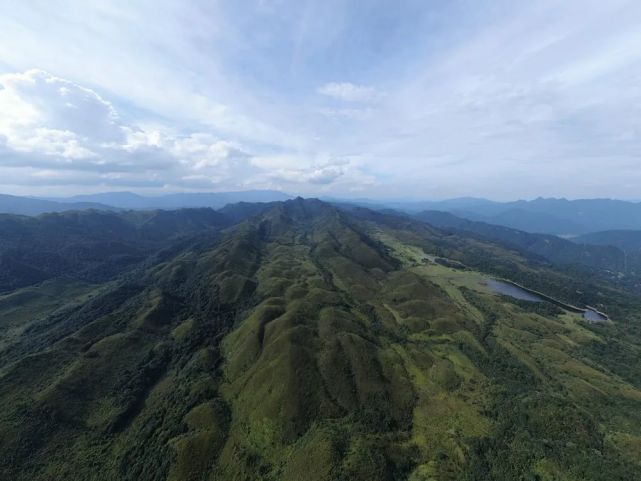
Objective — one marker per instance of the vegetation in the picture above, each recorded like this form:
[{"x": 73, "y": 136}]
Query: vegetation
[
  {"x": 544, "y": 246},
  {"x": 299, "y": 341}
]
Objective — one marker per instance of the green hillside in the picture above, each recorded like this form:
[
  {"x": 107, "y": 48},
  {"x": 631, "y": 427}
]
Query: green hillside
[
  {"x": 552, "y": 248},
  {"x": 302, "y": 342}
]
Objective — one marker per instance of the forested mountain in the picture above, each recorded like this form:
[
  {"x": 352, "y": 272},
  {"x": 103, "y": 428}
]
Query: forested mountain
[
  {"x": 546, "y": 216},
  {"x": 553, "y": 248},
  {"x": 296, "y": 340},
  {"x": 92, "y": 245},
  {"x": 627, "y": 240}
]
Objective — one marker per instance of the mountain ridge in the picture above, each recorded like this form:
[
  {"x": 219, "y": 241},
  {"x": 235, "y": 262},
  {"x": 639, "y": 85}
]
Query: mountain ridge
[
  {"x": 305, "y": 341},
  {"x": 627, "y": 240},
  {"x": 554, "y": 216},
  {"x": 557, "y": 216},
  {"x": 550, "y": 247}
]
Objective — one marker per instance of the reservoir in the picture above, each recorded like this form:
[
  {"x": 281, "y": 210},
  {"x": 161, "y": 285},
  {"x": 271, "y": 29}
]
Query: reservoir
[
  {"x": 516, "y": 292},
  {"x": 594, "y": 316},
  {"x": 511, "y": 290}
]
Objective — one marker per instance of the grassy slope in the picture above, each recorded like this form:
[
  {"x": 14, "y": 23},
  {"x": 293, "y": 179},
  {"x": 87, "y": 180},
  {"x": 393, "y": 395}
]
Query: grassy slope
[
  {"x": 310, "y": 345},
  {"x": 543, "y": 371}
]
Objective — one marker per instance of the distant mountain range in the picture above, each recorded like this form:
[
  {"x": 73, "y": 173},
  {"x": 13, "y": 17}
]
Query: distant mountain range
[
  {"x": 11, "y": 204},
  {"x": 547, "y": 216},
  {"x": 550, "y": 247},
  {"x": 560, "y": 217},
  {"x": 215, "y": 200}
]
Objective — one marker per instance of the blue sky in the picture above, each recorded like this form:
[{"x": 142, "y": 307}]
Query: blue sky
[{"x": 403, "y": 99}]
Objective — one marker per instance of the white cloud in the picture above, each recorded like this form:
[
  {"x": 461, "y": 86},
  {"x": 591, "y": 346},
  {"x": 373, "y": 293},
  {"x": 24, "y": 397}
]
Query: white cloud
[
  {"x": 55, "y": 119},
  {"x": 511, "y": 99},
  {"x": 302, "y": 171},
  {"x": 349, "y": 92},
  {"x": 37, "y": 97},
  {"x": 319, "y": 176},
  {"x": 54, "y": 131},
  {"x": 324, "y": 175},
  {"x": 160, "y": 56},
  {"x": 56, "y": 125}
]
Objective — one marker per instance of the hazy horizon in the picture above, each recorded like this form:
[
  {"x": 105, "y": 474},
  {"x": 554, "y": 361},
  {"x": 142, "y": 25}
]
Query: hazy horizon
[
  {"x": 416, "y": 101},
  {"x": 381, "y": 200}
]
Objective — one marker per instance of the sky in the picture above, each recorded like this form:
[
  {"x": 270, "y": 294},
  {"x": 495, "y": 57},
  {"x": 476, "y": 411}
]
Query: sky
[{"x": 404, "y": 99}]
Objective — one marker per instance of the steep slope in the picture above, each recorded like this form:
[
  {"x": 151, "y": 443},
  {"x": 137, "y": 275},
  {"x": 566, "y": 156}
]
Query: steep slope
[
  {"x": 311, "y": 343},
  {"x": 90, "y": 245}
]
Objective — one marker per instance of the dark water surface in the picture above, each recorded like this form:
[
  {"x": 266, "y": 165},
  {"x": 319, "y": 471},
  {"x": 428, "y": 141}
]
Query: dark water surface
[
  {"x": 511, "y": 290},
  {"x": 594, "y": 316},
  {"x": 507, "y": 289}
]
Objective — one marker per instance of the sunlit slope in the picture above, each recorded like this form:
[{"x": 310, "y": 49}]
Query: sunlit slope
[{"x": 308, "y": 343}]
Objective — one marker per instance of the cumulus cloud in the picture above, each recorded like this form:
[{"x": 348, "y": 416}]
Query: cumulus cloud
[
  {"x": 319, "y": 176},
  {"x": 57, "y": 129},
  {"x": 50, "y": 121},
  {"x": 36, "y": 97},
  {"x": 294, "y": 170},
  {"x": 349, "y": 92},
  {"x": 324, "y": 175},
  {"x": 53, "y": 131},
  {"x": 511, "y": 99}
]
